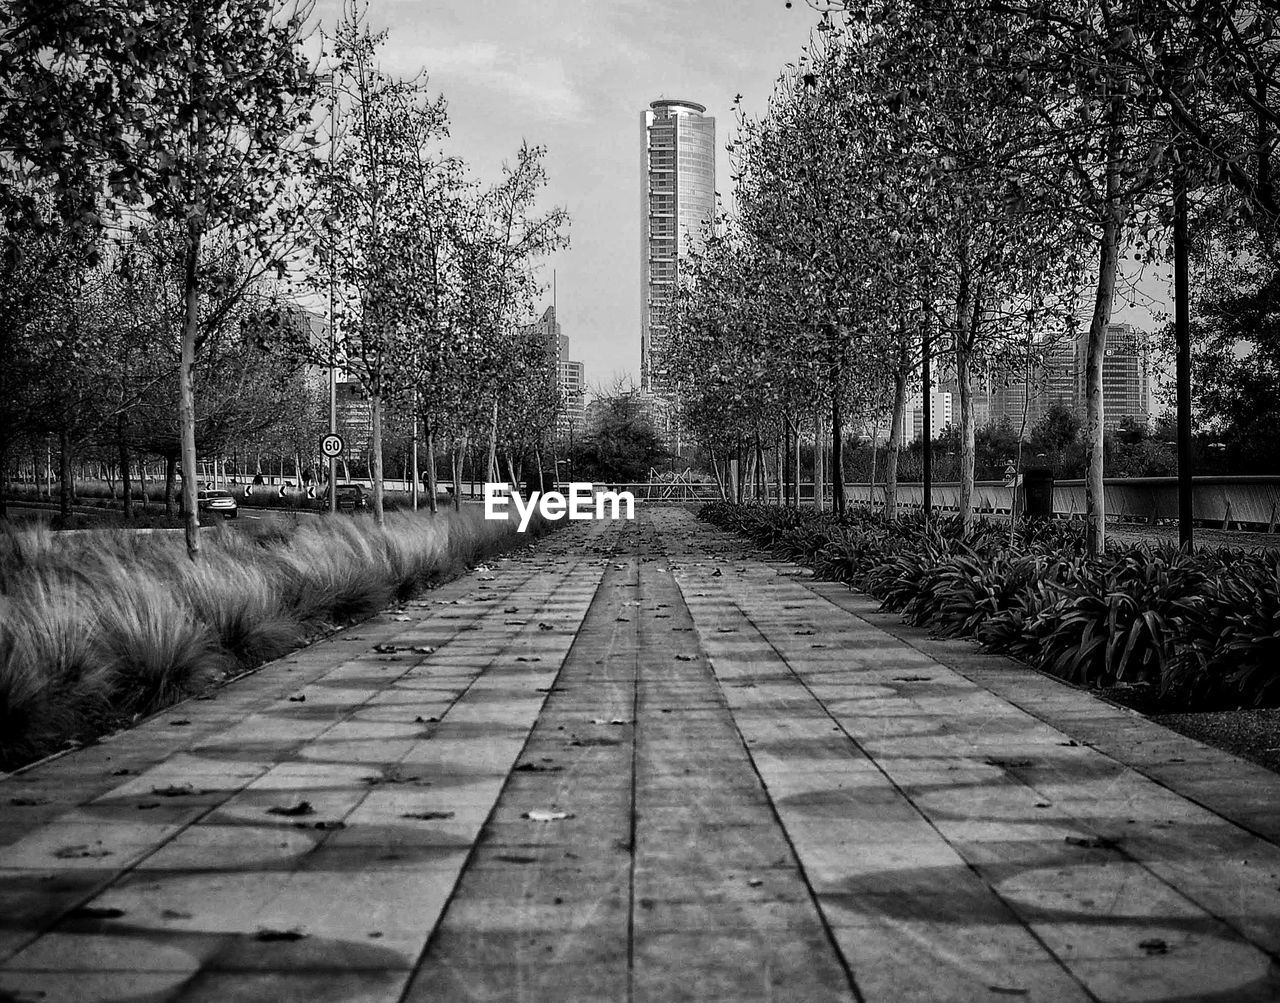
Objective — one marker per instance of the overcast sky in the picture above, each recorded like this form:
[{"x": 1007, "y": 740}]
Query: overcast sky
[{"x": 575, "y": 76}]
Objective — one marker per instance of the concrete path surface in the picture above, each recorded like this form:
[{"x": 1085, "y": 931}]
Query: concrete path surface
[{"x": 636, "y": 762}]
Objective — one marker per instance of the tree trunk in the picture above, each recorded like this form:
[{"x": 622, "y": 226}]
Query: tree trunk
[
  {"x": 493, "y": 474},
  {"x": 967, "y": 438},
  {"x": 784, "y": 472},
  {"x": 431, "y": 469},
  {"x": 170, "y": 482},
  {"x": 1095, "y": 351},
  {"x": 64, "y": 473},
  {"x": 837, "y": 452},
  {"x": 375, "y": 457},
  {"x": 459, "y": 457},
  {"x": 796, "y": 445},
  {"x": 780, "y": 472},
  {"x": 895, "y": 443},
  {"x": 186, "y": 393},
  {"x": 414, "y": 474},
  {"x": 511, "y": 469},
  {"x": 126, "y": 482},
  {"x": 819, "y": 493}
]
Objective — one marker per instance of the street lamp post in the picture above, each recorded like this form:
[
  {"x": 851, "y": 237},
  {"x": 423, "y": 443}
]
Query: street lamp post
[{"x": 333, "y": 322}]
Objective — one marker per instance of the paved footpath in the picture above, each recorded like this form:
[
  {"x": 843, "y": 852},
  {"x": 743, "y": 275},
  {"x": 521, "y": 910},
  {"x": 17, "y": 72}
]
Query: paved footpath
[{"x": 636, "y": 763}]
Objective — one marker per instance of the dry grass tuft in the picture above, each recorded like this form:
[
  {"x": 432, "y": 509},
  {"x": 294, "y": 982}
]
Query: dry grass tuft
[{"x": 97, "y": 627}]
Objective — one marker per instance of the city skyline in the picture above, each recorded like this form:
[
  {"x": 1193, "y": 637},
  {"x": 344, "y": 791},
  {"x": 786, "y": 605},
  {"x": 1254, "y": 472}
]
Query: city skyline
[
  {"x": 573, "y": 77},
  {"x": 584, "y": 71}
]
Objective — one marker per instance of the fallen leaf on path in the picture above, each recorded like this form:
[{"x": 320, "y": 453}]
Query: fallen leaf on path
[
  {"x": 912, "y": 679},
  {"x": 300, "y": 698},
  {"x": 1009, "y": 990},
  {"x": 545, "y": 626},
  {"x": 685, "y": 658},
  {"x": 176, "y": 791},
  {"x": 516, "y": 858},
  {"x": 81, "y": 850},
  {"x": 402, "y": 619},
  {"x": 528, "y": 658},
  {"x": 424, "y": 649},
  {"x": 717, "y": 573},
  {"x": 324, "y": 825},
  {"x": 1092, "y": 842},
  {"x": 385, "y": 649},
  {"x": 292, "y": 811},
  {"x": 27, "y": 802},
  {"x": 1012, "y": 764},
  {"x": 1154, "y": 946},
  {"x": 546, "y": 815},
  {"x": 270, "y": 935},
  {"x": 95, "y": 912},
  {"x": 148, "y": 805},
  {"x": 537, "y": 768},
  {"x": 179, "y": 722},
  {"x": 174, "y": 914},
  {"x": 512, "y": 609}
]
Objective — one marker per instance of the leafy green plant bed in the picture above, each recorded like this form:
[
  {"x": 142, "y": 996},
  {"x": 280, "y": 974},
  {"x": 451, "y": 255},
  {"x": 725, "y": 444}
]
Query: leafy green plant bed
[
  {"x": 98, "y": 629},
  {"x": 1151, "y": 626}
]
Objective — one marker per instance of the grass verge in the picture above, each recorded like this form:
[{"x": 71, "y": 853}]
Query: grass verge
[{"x": 99, "y": 629}]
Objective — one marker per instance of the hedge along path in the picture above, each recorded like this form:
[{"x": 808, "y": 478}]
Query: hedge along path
[
  {"x": 714, "y": 784},
  {"x": 296, "y": 836}
]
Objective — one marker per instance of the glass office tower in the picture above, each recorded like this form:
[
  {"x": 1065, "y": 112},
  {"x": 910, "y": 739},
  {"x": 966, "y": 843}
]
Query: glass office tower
[{"x": 677, "y": 200}]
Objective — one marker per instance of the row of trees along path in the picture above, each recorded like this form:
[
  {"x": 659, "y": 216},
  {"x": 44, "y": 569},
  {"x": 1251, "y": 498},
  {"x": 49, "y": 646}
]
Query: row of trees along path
[
  {"x": 965, "y": 178},
  {"x": 162, "y": 161}
]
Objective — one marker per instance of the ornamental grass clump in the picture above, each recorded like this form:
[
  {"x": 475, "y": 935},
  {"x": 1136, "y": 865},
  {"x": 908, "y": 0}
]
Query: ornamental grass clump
[
  {"x": 1199, "y": 631},
  {"x": 99, "y": 628}
]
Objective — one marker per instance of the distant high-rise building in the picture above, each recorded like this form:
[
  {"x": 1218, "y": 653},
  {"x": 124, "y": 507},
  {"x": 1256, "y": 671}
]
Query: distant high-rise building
[
  {"x": 1126, "y": 386},
  {"x": 567, "y": 374},
  {"x": 940, "y": 413},
  {"x": 573, "y": 386},
  {"x": 677, "y": 200},
  {"x": 1057, "y": 378}
]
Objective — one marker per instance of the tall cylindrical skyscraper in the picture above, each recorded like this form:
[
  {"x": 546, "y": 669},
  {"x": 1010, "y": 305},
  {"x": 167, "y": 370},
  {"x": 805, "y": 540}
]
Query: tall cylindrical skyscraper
[{"x": 677, "y": 201}]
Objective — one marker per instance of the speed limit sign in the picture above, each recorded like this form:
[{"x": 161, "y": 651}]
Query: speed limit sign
[{"x": 332, "y": 445}]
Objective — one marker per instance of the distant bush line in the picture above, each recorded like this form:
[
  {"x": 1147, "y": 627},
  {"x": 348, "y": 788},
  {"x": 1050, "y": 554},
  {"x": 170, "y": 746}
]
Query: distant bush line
[
  {"x": 98, "y": 629},
  {"x": 1189, "y": 632}
]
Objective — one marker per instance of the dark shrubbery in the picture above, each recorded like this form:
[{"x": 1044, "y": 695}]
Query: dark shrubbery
[{"x": 1201, "y": 630}]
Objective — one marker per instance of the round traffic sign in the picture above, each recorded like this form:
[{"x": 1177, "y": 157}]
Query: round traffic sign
[{"x": 332, "y": 445}]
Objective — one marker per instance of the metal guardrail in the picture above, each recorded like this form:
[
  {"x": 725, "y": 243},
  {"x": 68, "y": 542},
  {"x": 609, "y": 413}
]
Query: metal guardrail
[{"x": 1240, "y": 500}]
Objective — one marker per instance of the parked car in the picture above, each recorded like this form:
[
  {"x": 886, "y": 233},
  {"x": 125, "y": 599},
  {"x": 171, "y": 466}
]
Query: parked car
[
  {"x": 211, "y": 502},
  {"x": 351, "y": 498}
]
